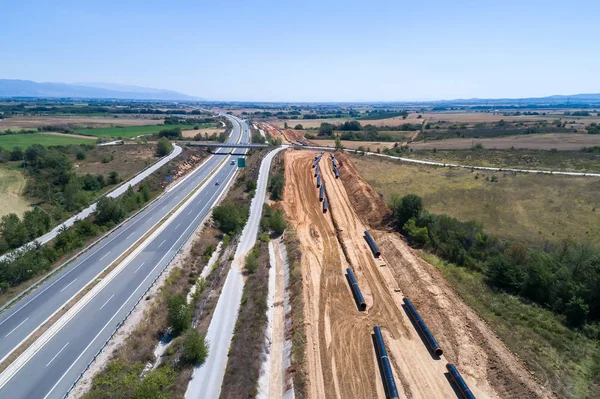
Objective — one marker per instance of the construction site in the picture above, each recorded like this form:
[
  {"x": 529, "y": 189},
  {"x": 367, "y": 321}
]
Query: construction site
[{"x": 380, "y": 321}]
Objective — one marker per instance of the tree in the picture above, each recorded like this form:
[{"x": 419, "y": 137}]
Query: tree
[
  {"x": 250, "y": 185},
  {"x": 338, "y": 144},
  {"x": 410, "y": 206},
  {"x": 230, "y": 218},
  {"x": 179, "y": 316},
  {"x": 13, "y": 230},
  {"x": 326, "y": 129},
  {"x": 299, "y": 127},
  {"x": 109, "y": 210},
  {"x": 163, "y": 147},
  {"x": 285, "y": 125},
  {"x": 275, "y": 222},
  {"x": 195, "y": 348},
  {"x": 113, "y": 177},
  {"x": 276, "y": 187},
  {"x": 37, "y": 222},
  {"x": 173, "y": 133},
  {"x": 577, "y": 311},
  {"x": 16, "y": 154},
  {"x": 420, "y": 235}
]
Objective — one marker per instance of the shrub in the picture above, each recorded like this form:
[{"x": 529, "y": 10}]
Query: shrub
[
  {"x": 180, "y": 315},
  {"x": 406, "y": 208},
  {"x": 163, "y": 147},
  {"x": 195, "y": 348}
]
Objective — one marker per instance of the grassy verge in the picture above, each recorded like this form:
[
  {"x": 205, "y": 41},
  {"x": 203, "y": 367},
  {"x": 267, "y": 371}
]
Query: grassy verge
[
  {"x": 297, "y": 331},
  {"x": 12, "y": 184},
  {"x": 247, "y": 346},
  {"x": 530, "y": 208},
  {"x": 562, "y": 358}
]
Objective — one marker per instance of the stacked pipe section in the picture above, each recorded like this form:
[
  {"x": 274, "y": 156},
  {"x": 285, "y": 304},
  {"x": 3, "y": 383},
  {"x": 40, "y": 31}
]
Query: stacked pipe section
[
  {"x": 431, "y": 342},
  {"x": 384, "y": 362},
  {"x": 358, "y": 297},
  {"x": 322, "y": 193},
  {"x": 457, "y": 379},
  {"x": 317, "y": 170},
  {"x": 319, "y": 181},
  {"x": 372, "y": 244},
  {"x": 325, "y": 205}
]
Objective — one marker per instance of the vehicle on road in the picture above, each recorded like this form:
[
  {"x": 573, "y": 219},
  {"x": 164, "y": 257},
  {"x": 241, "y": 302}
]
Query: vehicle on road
[
  {"x": 217, "y": 183},
  {"x": 232, "y": 162}
]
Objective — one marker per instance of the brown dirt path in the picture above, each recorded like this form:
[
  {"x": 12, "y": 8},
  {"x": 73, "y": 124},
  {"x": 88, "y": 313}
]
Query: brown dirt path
[
  {"x": 339, "y": 351},
  {"x": 487, "y": 365}
]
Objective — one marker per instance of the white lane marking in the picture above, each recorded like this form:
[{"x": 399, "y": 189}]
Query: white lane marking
[
  {"x": 108, "y": 253},
  {"x": 138, "y": 268},
  {"x": 13, "y": 330},
  {"x": 68, "y": 285},
  {"x": 58, "y": 353},
  {"x": 190, "y": 212},
  {"x": 177, "y": 226},
  {"x": 106, "y": 301},
  {"x": 160, "y": 245},
  {"x": 130, "y": 235}
]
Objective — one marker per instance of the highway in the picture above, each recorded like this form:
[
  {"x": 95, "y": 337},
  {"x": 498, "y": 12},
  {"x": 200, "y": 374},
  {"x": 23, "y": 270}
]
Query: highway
[{"x": 56, "y": 365}]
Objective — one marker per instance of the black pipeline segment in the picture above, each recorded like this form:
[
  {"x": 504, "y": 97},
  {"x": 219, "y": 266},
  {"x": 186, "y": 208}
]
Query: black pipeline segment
[
  {"x": 318, "y": 181},
  {"x": 317, "y": 170},
  {"x": 429, "y": 339},
  {"x": 372, "y": 244},
  {"x": 384, "y": 363},
  {"x": 315, "y": 163},
  {"x": 334, "y": 162},
  {"x": 358, "y": 297},
  {"x": 322, "y": 192},
  {"x": 337, "y": 174},
  {"x": 325, "y": 203},
  {"x": 455, "y": 376}
]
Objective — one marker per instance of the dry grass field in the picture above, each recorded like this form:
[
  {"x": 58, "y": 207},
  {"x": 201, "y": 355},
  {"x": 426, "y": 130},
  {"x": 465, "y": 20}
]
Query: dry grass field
[
  {"x": 560, "y": 141},
  {"x": 192, "y": 133},
  {"x": 27, "y": 122},
  {"x": 126, "y": 160},
  {"x": 527, "y": 207},
  {"x": 373, "y": 145},
  {"x": 12, "y": 184}
]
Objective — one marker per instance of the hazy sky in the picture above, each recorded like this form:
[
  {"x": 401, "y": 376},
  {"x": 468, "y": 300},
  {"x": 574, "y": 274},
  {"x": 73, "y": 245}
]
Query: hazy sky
[{"x": 287, "y": 50}]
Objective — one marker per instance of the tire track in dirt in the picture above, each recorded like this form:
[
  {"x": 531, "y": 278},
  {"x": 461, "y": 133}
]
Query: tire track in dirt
[
  {"x": 487, "y": 365},
  {"x": 340, "y": 354}
]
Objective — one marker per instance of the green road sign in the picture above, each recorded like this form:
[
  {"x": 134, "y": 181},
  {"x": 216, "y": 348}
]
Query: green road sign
[{"x": 241, "y": 162}]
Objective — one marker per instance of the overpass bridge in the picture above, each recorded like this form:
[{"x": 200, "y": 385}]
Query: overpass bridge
[{"x": 222, "y": 145}]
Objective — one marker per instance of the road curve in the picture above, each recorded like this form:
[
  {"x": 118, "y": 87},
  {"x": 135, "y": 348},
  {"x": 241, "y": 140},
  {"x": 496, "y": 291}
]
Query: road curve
[{"x": 58, "y": 363}]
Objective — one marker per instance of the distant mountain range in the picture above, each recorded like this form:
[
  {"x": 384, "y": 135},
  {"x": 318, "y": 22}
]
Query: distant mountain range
[
  {"x": 556, "y": 99},
  {"x": 28, "y": 88}
]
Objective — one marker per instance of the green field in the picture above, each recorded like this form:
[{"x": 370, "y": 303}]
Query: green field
[
  {"x": 530, "y": 208},
  {"x": 8, "y": 141},
  {"x": 133, "y": 131}
]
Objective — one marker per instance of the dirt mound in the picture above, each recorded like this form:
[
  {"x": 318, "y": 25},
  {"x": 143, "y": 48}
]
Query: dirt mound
[{"x": 367, "y": 203}]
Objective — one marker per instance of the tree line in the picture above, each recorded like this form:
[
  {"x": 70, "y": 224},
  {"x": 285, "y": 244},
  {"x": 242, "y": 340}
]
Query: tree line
[{"x": 564, "y": 278}]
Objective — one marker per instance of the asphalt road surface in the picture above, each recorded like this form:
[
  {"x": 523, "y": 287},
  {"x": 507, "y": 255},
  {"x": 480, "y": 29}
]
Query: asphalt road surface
[{"x": 58, "y": 364}]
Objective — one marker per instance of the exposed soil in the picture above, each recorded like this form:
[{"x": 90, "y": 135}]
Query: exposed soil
[
  {"x": 340, "y": 357},
  {"x": 81, "y": 136},
  {"x": 488, "y": 366}
]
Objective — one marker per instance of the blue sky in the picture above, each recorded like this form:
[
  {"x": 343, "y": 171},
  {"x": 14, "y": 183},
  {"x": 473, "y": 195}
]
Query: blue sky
[{"x": 309, "y": 50}]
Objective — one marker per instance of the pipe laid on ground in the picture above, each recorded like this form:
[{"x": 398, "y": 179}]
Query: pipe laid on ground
[
  {"x": 318, "y": 181},
  {"x": 334, "y": 162},
  {"x": 322, "y": 193},
  {"x": 358, "y": 297},
  {"x": 372, "y": 244},
  {"x": 459, "y": 382},
  {"x": 317, "y": 170},
  {"x": 337, "y": 174},
  {"x": 325, "y": 203},
  {"x": 388, "y": 377},
  {"x": 430, "y": 340}
]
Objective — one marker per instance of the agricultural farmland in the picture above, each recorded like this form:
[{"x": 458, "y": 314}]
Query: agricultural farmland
[{"x": 8, "y": 141}]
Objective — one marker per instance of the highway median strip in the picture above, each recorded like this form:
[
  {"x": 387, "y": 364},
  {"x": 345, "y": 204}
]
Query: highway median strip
[{"x": 23, "y": 352}]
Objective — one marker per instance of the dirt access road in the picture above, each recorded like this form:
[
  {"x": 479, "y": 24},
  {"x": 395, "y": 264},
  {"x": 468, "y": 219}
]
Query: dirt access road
[{"x": 340, "y": 357}]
